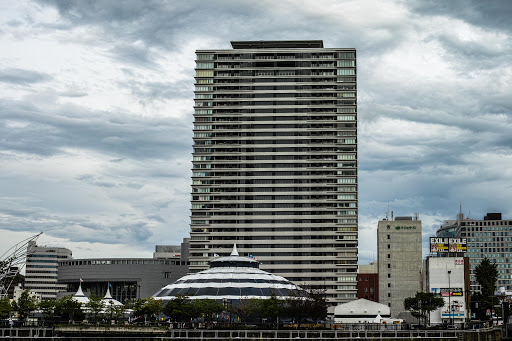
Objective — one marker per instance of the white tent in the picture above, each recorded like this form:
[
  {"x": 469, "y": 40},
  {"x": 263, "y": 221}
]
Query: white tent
[
  {"x": 79, "y": 296},
  {"x": 109, "y": 301}
]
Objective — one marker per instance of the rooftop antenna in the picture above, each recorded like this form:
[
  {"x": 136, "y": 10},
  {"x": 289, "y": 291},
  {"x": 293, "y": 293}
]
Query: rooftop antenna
[
  {"x": 391, "y": 215},
  {"x": 387, "y": 212},
  {"x": 416, "y": 216}
]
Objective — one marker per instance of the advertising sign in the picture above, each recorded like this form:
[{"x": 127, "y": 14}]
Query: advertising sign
[{"x": 443, "y": 244}]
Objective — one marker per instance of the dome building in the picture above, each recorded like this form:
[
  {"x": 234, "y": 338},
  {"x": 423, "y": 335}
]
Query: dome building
[{"x": 230, "y": 278}]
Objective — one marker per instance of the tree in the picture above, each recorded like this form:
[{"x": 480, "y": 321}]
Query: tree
[
  {"x": 242, "y": 309},
  {"x": 95, "y": 307},
  {"x": 25, "y": 305},
  {"x": 69, "y": 309},
  {"x": 147, "y": 307},
  {"x": 272, "y": 307},
  {"x": 422, "y": 304},
  {"x": 179, "y": 308},
  {"x": 206, "y": 308},
  {"x": 115, "y": 311},
  {"x": 316, "y": 305},
  {"x": 486, "y": 275},
  {"x": 47, "y": 308},
  {"x": 5, "y": 308}
]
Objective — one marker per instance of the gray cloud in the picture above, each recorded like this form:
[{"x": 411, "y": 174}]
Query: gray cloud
[
  {"x": 492, "y": 14},
  {"x": 23, "y": 77},
  {"x": 432, "y": 132},
  {"x": 48, "y": 131}
]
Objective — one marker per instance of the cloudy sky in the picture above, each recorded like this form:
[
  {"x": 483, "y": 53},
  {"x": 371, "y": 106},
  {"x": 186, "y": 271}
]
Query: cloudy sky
[{"x": 96, "y": 111}]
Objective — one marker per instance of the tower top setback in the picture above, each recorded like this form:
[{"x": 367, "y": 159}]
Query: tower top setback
[{"x": 280, "y": 44}]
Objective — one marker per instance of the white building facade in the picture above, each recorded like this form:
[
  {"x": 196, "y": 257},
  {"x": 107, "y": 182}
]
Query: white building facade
[
  {"x": 448, "y": 277},
  {"x": 42, "y": 269}
]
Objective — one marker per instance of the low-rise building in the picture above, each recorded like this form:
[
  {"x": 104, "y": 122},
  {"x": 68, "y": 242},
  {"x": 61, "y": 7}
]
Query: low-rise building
[
  {"x": 368, "y": 282},
  {"x": 448, "y": 277},
  {"x": 130, "y": 278}
]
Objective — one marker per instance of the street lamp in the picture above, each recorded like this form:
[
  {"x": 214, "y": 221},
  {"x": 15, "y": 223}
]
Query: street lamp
[{"x": 450, "y": 298}]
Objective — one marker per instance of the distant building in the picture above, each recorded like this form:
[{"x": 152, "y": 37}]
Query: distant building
[
  {"x": 368, "y": 282},
  {"x": 399, "y": 252},
  {"x": 491, "y": 238},
  {"x": 42, "y": 268},
  {"x": 448, "y": 277},
  {"x": 130, "y": 278}
]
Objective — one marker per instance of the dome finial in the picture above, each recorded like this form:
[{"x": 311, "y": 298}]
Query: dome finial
[{"x": 234, "y": 252}]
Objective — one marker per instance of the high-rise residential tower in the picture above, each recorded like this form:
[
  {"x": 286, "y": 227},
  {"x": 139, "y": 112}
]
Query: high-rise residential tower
[{"x": 275, "y": 161}]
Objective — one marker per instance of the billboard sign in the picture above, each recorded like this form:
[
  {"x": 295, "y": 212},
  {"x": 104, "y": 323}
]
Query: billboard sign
[{"x": 443, "y": 244}]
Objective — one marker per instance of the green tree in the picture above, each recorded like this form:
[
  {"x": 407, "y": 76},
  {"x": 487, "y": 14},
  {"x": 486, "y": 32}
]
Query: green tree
[
  {"x": 147, "y": 307},
  {"x": 422, "y": 304},
  {"x": 295, "y": 306},
  {"x": 272, "y": 308},
  {"x": 5, "y": 308},
  {"x": 115, "y": 311},
  {"x": 25, "y": 305},
  {"x": 206, "y": 308},
  {"x": 69, "y": 309},
  {"x": 316, "y": 305},
  {"x": 486, "y": 275},
  {"x": 179, "y": 308},
  {"x": 95, "y": 307},
  {"x": 47, "y": 308},
  {"x": 242, "y": 309}
]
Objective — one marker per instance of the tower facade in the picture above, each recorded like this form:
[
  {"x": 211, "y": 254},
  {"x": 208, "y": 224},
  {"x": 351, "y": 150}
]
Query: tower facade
[
  {"x": 399, "y": 250},
  {"x": 275, "y": 161}
]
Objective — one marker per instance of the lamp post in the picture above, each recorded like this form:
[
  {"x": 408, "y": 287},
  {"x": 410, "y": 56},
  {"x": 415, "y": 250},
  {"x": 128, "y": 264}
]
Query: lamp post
[{"x": 450, "y": 298}]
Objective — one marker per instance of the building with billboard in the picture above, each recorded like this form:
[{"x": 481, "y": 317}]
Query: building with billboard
[
  {"x": 447, "y": 275},
  {"x": 490, "y": 238},
  {"x": 400, "y": 262},
  {"x": 275, "y": 161}
]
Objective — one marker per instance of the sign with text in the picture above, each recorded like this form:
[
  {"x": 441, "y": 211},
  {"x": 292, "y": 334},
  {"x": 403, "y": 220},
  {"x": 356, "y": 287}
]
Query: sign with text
[{"x": 443, "y": 244}]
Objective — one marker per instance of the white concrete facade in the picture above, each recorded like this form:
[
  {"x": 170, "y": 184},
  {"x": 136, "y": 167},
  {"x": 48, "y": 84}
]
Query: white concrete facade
[
  {"x": 399, "y": 262},
  {"x": 42, "y": 269},
  {"x": 445, "y": 277}
]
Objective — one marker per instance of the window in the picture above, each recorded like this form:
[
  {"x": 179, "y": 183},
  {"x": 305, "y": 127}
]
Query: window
[
  {"x": 346, "y": 72},
  {"x": 389, "y": 255},
  {"x": 389, "y": 266},
  {"x": 389, "y": 246},
  {"x": 389, "y": 275},
  {"x": 389, "y": 294},
  {"x": 346, "y": 63},
  {"x": 389, "y": 236},
  {"x": 389, "y": 285}
]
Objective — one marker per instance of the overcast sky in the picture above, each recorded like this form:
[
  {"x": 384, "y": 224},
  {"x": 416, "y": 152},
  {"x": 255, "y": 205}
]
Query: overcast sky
[{"x": 96, "y": 103}]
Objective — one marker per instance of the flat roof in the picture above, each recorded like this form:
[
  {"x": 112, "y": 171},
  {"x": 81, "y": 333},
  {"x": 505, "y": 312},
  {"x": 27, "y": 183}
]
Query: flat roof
[{"x": 281, "y": 44}]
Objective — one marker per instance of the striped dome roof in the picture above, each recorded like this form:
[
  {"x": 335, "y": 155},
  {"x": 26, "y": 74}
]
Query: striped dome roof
[{"x": 233, "y": 277}]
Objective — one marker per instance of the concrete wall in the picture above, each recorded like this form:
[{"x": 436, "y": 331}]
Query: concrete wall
[{"x": 399, "y": 250}]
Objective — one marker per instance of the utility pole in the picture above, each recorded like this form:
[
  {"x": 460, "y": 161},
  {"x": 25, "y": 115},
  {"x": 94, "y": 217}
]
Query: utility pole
[{"x": 450, "y": 298}]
